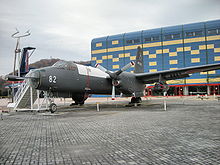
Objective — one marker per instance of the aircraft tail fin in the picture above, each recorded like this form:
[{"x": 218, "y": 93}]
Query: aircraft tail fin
[
  {"x": 24, "y": 64},
  {"x": 139, "y": 64}
]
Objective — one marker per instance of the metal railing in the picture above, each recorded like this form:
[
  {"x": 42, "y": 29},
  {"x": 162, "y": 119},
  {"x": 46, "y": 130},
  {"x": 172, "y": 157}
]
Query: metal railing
[{"x": 20, "y": 90}]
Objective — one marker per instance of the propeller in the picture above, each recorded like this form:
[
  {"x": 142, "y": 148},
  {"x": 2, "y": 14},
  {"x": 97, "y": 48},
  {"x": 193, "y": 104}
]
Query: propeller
[
  {"x": 114, "y": 75},
  {"x": 33, "y": 77},
  {"x": 17, "y": 78},
  {"x": 12, "y": 78}
]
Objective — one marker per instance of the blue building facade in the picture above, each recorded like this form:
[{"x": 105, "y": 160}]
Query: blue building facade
[{"x": 165, "y": 49}]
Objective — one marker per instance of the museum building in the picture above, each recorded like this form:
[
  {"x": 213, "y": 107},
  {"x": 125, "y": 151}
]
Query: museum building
[{"x": 167, "y": 48}]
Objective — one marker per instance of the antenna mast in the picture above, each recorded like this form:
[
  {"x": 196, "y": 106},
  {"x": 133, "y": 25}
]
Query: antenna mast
[{"x": 18, "y": 49}]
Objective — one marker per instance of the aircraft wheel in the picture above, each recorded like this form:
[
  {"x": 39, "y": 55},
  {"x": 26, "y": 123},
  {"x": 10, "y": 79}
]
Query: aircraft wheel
[
  {"x": 53, "y": 107},
  {"x": 136, "y": 100},
  {"x": 133, "y": 99},
  {"x": 72, "y": 104},
  {"x": 139, "y": 100},
  {"x": 81, "y": 103}
]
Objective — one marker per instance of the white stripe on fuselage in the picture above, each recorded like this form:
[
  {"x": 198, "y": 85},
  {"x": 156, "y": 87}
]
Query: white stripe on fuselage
[{"x": 95, "y": 72}]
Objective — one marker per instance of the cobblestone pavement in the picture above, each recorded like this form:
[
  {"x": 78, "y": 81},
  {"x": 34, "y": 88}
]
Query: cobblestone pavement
[{"x": 186, "y": 133}]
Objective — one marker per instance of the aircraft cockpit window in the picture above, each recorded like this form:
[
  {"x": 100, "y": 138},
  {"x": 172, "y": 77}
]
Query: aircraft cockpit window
[
  {"x": 60, "y": 64},
  {"x": 71, "y": 66},
  {"x": 65, "y": 65}
]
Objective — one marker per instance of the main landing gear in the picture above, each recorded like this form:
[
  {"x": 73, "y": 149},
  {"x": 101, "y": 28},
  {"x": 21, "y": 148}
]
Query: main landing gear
[
  {"x": 79, "y": 99},
  {"x": 135, "y": 101},
  {"x": 77, "y": 103}
]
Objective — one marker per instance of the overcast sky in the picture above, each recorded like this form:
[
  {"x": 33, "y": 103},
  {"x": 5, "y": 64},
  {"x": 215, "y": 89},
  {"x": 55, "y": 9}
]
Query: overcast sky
[{"x": 64, "y": 28}]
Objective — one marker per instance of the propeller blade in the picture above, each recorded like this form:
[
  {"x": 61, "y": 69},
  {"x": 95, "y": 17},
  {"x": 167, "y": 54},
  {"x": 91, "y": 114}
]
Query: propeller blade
[
  {"x": 12, "y": 78},
  {"x": 113, "y": 92},
  {"x": 130, "y": 64},
  {"x": 101, "y": 67},
  {"x": 16, "y": 78}
]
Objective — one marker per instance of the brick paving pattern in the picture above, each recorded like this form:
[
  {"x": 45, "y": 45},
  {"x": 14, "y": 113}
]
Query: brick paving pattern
[{"x": 184, "y": 134}]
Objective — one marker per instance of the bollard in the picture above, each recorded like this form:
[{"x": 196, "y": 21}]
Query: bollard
[
  {"x": 164, "y": 101},
  {"x": 97, "y": 105},
  {"x": 165, "y": 105}
]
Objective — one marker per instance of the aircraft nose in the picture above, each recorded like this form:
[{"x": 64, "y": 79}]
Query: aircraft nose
[{"x": 34, "y": 77}]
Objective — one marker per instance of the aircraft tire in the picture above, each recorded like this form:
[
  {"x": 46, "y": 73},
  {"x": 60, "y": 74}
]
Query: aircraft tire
[
  {"x": 81, "y": 103},
  {"x": 136, "y": 100},
  {"x": 53, "y": 107},
  {"x": 139, "y": 100}
]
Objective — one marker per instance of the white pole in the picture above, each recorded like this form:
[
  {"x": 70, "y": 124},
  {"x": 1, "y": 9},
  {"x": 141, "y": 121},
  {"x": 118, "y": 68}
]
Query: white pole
[
  {"x": 19, "y": 62},
  {"x": 38, "y": 100},
  {"x": 164, "y": 101},
  {"x": 97, "y": 105},
  {"x": 165, "y": 105},
  {"x": 31, "y": 93}
]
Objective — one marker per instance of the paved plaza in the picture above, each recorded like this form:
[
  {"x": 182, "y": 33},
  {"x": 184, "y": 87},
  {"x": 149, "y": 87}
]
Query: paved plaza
[{"x": 187, "y": 133}]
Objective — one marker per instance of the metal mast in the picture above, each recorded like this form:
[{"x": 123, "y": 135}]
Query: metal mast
[{"x": 17, "y": 48}]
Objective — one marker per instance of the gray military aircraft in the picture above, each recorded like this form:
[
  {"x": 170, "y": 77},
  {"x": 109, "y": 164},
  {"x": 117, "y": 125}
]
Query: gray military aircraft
[{"x": 68, "y": 79}]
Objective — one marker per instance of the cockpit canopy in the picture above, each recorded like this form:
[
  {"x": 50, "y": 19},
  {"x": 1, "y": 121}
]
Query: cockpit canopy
[{"x": 68, "y": 65}]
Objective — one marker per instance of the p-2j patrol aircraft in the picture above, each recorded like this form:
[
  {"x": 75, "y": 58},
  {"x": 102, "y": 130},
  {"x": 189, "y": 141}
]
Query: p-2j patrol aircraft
[{"x": 68, "y": 79}]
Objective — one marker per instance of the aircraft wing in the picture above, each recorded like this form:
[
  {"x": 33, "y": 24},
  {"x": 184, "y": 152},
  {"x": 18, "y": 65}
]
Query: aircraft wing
[{"x": 149, "y": 78}]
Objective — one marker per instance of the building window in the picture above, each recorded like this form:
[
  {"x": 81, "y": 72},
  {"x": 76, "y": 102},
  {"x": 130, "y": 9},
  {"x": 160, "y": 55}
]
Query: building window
[
  {"x": 134, "y": 41},
  {"x": 114, "y": 42},
  {"x": 213, "y": 31},
  {"x": 195, "y": 60},
  {"x": 129, "y": 41},
  {"x": 115, "y": 66},
  {"x": 94, "y": 58},
  {"x": 152, "y": 63},
  {"x": 176, "y": 36},
  {"x": 168, "y": 37},
  {"x": 189, "y": 34},
  {"x": 173, "y": 62},
  {"x": 148, "y": 39},
  {"x": 172, "y": 36},
  {"x": 98, "y": 44},
  {"x": 153, "y": 38},
  {"x": 217, "y": 58},
  {"x": 152, "y": 56},
  {"x": 198, "y": 33},
  {"x": 194, "y": 34}
]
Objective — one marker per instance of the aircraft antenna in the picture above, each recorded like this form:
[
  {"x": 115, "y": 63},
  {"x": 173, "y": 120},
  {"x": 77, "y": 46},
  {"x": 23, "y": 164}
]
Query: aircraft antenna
[{"x": 17, "y": 57}]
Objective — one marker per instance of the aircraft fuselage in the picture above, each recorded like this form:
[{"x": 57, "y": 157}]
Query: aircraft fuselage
[{"x": 75, "y": 80}]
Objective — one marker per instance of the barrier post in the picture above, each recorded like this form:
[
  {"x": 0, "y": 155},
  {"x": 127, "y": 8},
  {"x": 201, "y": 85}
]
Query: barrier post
[
  {"x": 164, "y": 101},
  {"x": 97, "y": 106}
]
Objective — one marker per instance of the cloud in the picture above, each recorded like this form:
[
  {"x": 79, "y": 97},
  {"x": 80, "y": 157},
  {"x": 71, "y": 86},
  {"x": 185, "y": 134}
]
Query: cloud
[{"x": 64, "y": 29}]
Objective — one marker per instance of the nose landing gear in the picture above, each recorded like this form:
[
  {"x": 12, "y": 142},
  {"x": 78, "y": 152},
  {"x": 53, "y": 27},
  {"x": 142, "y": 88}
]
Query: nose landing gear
[
  {"x": 49, "y": 97},
  {"x": 53, "y": 107}
]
